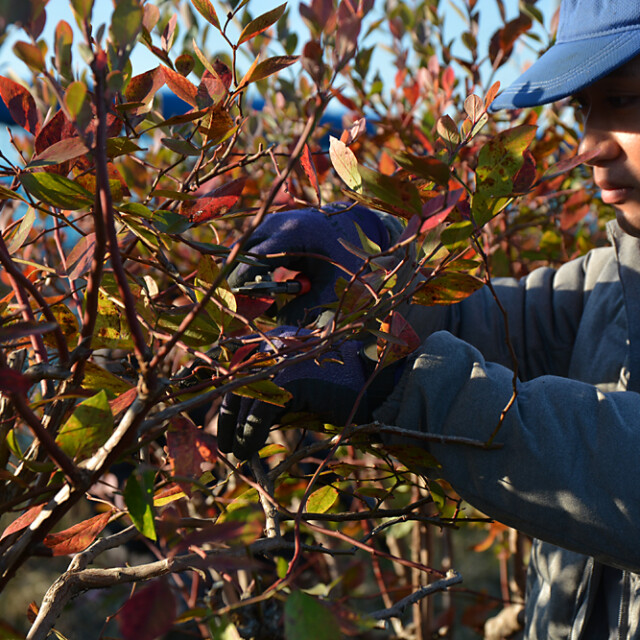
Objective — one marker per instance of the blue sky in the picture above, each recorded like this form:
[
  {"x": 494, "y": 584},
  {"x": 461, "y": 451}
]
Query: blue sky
[{"x": 142, "y": 59}]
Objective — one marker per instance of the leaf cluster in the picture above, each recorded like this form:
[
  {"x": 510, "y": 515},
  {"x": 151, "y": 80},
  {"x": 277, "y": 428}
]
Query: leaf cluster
[{"x": 120, "y": 224}]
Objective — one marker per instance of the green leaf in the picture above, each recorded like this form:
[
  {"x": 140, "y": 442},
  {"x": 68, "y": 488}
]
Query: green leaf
[
  {"x": 63, "y": 43},
  {"x": 30, "y": 54},
  {"x": 88, "y": 427},
  {"x": 111, "y": 330},
  {"x": 500, "y": 159},
  {"x": 416, "y": 459},
  {"x": 74, "y": 97},
  {"x": 306, "y": 617},
  {"x": 424, "y": 167},
  {"x": 447, "y": 288},
  {"x": 56, "y": 190},
  {"x": 448, "y": 131},
  {"x": 126, "y": 22},
  {"x": 121, "y": 146},
  {"x": 261, "y": 23},
  {"x": 265, "y": 391},
  {"x": 399, "y": 194},
  {"x": 138, "y": 496},
  {"x": 321, "y": 500},
  {"x": 182, "y": 147},
  {"x": 206, "y": 10},
  {"x": 82, "y": 9},
  {"x": 456, "y": 233},
  {"x": 170, "y": 222},
  {"x": 345, "y": 163}
]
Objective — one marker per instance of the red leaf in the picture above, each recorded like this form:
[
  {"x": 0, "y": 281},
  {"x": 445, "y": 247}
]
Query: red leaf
[
  {"x": 251, "y": 307},
  {"x": 79, "y": 259},
  {"x": 192, "y": 451},
  {"x": 309, "y": 167},
  {"x": 143, "y": 87},
  {"x": 436, "y": 210},
  {"x": 149, "y": 613},
  {"x": 23, "y": 521},
  {"x": 21, "y": 104},
  {"x": 211, "y": 90},
  {"x": 223, "y": 71},
  {"x": 123, "y": 401},
  {"x": 79, "y": 537},
  {"x": 13, "y": 381},
  {"x": 214, "y": 203},
  {"x": 57, "y": 129},
  {"x": 399, "y": 328}
]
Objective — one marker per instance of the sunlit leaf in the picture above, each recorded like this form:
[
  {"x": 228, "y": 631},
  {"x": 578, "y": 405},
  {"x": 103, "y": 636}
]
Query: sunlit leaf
[
  {"x": 265, "y": 391},
  {"x": 183, "y": 88},
  {"x": 206, "y": 9},
  {"x": 126, "y": 22},
  {"x": 448, "y": 131},
  {"x": 425, "y": 167},
  {"x": 138, "y": 496},
  {"x": 261, "y": 23},
  {"x": 345, "y": 163},
  {"x": 26, "y": 224},
  {"x": 60, "y": 151},
  {"x": 21, "y": 104},
  {"x": 22, "y": 521},
  {"x": 321, "y": 500},
  {"x": 88, "y": 428},
  {"x": 82, "y": 9},
  {"x": 500, "y": 159},
  {"x": 214, "y": 203},
  {"x": 270, "y": 66},
  {"x": 447, "y": 288},
  {"x": 78, "y": 537},
  {"x": 56, "y": 190},
  {"x": 30, "y": 54},
  {"x": 191, "y": 450}
]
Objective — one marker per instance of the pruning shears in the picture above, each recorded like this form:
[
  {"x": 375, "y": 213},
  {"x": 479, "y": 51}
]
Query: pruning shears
[{"x": 264, "y": 286}]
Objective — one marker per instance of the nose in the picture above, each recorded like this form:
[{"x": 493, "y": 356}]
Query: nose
[{"x": 599, "y": 139}]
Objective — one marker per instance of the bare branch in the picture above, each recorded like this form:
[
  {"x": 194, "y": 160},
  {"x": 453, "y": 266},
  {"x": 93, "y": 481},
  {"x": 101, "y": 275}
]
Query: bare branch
[{"x": 452, "y": 578}]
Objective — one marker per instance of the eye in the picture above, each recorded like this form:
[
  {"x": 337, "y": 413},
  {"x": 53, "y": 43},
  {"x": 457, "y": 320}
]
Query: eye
[{"x": 622, "y": 101}]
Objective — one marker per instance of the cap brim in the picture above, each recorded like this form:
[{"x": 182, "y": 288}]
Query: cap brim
[{"x": 569, "y": 67}]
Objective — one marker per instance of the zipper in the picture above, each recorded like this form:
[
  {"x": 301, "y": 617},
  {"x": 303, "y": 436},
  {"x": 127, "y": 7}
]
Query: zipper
[{"x": 623, "y": 616}]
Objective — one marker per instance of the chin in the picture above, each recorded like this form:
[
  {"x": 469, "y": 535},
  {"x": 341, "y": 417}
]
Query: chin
[{"x": 630, "y": 224}]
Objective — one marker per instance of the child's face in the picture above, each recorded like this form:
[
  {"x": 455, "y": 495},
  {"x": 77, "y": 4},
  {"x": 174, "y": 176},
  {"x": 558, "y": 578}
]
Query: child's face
[{"x": 610, "y": 109}]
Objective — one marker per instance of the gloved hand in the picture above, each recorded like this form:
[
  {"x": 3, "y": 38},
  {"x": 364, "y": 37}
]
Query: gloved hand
[
  {"x": 310, "y": 231},
  {"x": 328, "y": 386}
]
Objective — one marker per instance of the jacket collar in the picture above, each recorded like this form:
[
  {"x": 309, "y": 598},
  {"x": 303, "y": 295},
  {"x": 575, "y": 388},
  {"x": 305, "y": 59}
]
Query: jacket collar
[{"x": 628, "y": 253}]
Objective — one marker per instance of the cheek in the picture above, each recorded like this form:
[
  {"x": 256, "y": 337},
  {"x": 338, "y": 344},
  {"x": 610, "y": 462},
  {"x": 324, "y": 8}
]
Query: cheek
[{"x": 630, "y": 143}]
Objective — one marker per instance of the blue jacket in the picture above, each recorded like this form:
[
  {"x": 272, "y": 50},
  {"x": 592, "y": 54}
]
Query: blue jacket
[{"x": 567, "y": 469}]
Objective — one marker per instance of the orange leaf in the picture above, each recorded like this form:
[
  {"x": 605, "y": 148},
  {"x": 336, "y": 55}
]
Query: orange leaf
[
  {"x": 183, "y": 88},
  {"x": 79, "y": 537},
  {"x": 23, "y": 521}
]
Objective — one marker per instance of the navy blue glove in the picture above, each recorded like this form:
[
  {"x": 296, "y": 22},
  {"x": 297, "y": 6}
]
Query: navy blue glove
[
  {"x": 328, "y": 387},
  {"x": 310, "y": 231}
]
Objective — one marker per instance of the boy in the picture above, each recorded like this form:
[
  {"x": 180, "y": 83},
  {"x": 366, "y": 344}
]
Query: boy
[{"x": 566, "y": 472}]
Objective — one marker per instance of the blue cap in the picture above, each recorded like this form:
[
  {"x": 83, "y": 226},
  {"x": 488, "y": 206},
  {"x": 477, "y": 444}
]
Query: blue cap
[{"x": 594, "y": 38}]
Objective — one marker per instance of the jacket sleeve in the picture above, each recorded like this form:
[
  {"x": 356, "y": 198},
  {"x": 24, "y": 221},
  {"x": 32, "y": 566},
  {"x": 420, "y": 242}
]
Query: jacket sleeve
[
  {"x": 542, "y": 314},
  {"x": 565, "y": 468}
]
